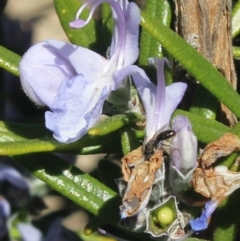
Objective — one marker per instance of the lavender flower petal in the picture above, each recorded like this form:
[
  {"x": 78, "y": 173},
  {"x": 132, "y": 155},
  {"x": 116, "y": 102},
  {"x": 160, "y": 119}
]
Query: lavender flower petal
[
  {"x": 145, "y": 87},
  {"x": 174, "y": 94},
  {"x": 183, "y": 154},
  {"x": 42, "y": 72},
  {"x": 201, "y": 223},
  {"x": 69, "y": 120},
  {"x": 183, "y": 151},
  {"x": 82, "y": 61},
  {"x": 131, "y": 48}
]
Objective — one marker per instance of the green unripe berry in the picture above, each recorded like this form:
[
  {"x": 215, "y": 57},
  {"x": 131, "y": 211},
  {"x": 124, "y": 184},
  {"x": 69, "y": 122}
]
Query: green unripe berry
[{"x": 165, "y": 216}]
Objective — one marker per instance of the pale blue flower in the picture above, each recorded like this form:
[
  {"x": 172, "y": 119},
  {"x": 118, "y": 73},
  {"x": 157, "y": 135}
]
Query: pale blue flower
[
  {"x": 201, "y": 223},
  {"x": 183, "y": 153},
  {"x": 159, "y": 103},
  {"x": 74, "y": 81}
]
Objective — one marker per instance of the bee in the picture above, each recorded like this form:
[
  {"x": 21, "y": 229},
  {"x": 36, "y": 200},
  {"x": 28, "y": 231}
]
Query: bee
[{"x": 152, "y": 145}]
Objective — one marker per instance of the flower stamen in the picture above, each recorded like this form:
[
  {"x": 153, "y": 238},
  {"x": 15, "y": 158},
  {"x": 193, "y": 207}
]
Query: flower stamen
[{"x": 118, "y": 56}]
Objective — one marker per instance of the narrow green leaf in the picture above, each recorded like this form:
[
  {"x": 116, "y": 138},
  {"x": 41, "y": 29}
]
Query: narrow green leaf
[
  {"x": 30, "y": 146},
  {"x": 129, "y": 140},
  {"x": 193, "y": 62},
  {"x": 86, "y": 145},
  {"x": 234, "y": 165},
  {"x": 236, "y": 129},
  {"x": 114, "y": 123},
  {"x": 149, "y": 47},
  {"x": 204, "y": 103},
  {"x": 227, "y": 219},
  {"x": 9, "y": 60},
  {"x": 13, "y": 131},
  {"x": 236, "y": 19},
  {"x": 140, "y": 134},
  {"x": 229, "y": 162},
  {"x": 18, "y": 138},
  {"x": 79, "y": 187},
  {"x": 74, "y": 184},
  {"x": 86, "y": 36},
  {"x": 236, "y": 52}
]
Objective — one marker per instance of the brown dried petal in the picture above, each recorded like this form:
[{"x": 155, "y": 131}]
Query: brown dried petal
[
  {"x": 135, "y": 157},
  {"x": 223, "y": 146},
  {"x": 215, "y": 183},
  {"x": 141, "y": 179}
]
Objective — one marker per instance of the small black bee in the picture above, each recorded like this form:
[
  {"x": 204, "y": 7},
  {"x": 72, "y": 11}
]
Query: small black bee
[{"x": 152, "y": 145}]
